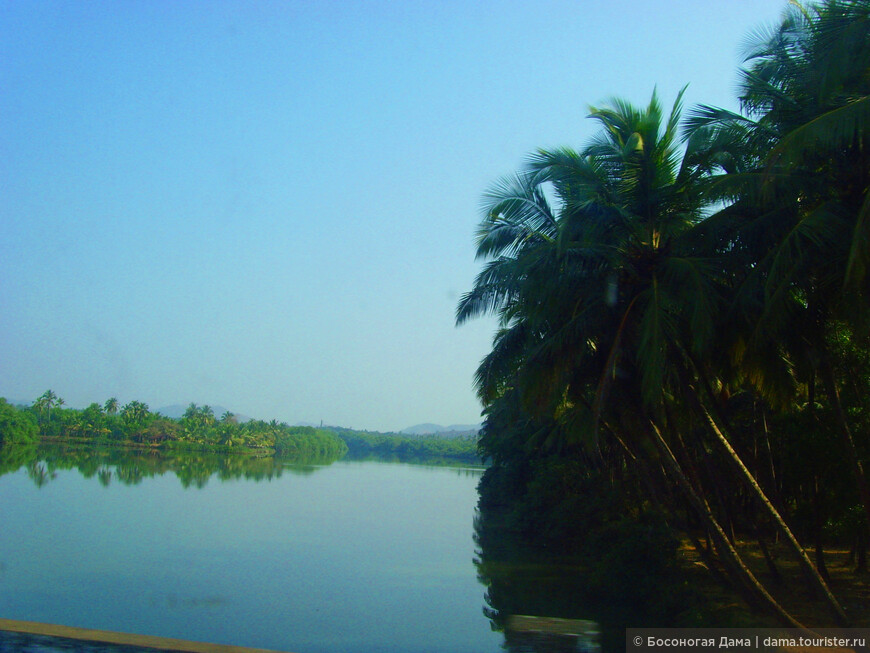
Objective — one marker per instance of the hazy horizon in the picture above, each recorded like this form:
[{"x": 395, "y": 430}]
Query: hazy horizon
[{"x": 272, "y": 206}]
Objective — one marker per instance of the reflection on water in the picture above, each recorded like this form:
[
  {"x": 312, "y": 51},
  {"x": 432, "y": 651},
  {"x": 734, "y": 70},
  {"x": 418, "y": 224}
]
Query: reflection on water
[
  {"x": 130, "y": 466},
  {"x": 39, "y": 474},
  {"x": 389, "y": 550},
  {"x": 523, "y": 580}
]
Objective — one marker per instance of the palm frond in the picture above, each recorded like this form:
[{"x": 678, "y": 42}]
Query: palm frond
[
  {"x": 518, "y": 199},
  {"x": 656, "y": 328},
  {"x": 497, "y": 367},
  {"x": 858, "y": 260},
  {"x": 834, "y": 129},
  {"x": 821, "y": 231},
  {"x": 495, "y": 287}
]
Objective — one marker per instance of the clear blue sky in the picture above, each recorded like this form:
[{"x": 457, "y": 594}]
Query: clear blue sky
[{"x": 271, "y": 206}]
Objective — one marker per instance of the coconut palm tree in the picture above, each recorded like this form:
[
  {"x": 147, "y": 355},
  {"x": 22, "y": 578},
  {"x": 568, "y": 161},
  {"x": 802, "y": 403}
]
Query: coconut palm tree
[
  {"x": 802, "y": 215},
  {"x": 609, "y": 302},
  {"x": 192, "y": 411},
  {"x": 207, "y": 415},
  {"x": 48, "y": 400},
  {"x": 135, "y": 412},
  {"x": 111, "y": 406}
]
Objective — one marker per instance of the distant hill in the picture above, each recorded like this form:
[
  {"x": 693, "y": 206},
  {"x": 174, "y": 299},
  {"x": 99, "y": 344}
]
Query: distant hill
[
  {"x": 454, "y": 430},
  {"x": 176, "y": 411}
]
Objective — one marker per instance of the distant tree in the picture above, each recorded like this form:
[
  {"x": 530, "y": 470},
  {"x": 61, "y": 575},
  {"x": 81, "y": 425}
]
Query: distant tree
[
  {"x": 91, "y": 421},
  {"x": 191, "y": 412},
  {"x": 15, "y": 425},
  {"x": 134, "y": 413},
  {"x": 111, "y": 406},
  {"x": 46, "y": 401},
  {"x": 160, "y": 430},
  {"x": 207, "y": 415}
]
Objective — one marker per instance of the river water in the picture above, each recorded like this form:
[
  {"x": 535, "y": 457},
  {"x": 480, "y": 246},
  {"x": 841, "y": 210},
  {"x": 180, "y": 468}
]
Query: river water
[{"x": 344, "y": 557}]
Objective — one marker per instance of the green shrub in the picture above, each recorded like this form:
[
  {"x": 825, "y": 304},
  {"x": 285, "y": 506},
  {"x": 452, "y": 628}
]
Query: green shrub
[{"x": 16, "y": 427}]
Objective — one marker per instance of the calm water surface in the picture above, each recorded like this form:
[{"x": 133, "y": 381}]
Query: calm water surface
[{"x": 353, "y": 556}]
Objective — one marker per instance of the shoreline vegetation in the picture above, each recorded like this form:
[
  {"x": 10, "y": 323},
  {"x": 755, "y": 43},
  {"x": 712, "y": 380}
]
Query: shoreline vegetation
[
  {"x": 134, "y": 427},
  {"x": 425, "y": 449},
  {"x": 681, "y": 372}
]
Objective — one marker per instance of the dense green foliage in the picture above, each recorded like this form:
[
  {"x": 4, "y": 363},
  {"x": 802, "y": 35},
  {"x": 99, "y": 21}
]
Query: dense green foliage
[
  {"x": 135, "y": 425},
  {"x": 308, "y": 441},
  {"x": 16, "y": 426},
  {"x": 421, "y": 449},
  {"x": 684, "y": 323}
]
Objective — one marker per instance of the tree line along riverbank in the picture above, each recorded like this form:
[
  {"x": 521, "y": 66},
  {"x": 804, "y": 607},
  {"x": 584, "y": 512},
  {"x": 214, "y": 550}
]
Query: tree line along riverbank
[{"x": 134, "y": 425}]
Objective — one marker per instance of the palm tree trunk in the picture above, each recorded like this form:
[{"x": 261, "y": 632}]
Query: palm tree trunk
[
  {"x": 731, "y": 555},
  {"x": 806, "y": 564},
  {"x": 804, "y": 560},
  {"x": 646, "y": 474},
  {"x": 650, "y": 479},
  {"x": 774, "y": 478}
]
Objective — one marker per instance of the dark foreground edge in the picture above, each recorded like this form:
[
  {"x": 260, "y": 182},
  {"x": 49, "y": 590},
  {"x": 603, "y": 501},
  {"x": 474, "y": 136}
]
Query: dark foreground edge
[{"x": 121, "y": 639}]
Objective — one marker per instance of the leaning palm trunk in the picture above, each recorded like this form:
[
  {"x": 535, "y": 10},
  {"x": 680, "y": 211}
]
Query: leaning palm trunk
[
  {"x": 806, "y": 564},
  {"x": 732, "y": 557},
  {"x": 650, "y": 479}
]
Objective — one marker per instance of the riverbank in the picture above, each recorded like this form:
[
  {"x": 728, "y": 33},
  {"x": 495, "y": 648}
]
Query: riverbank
[
  {"x": 426, "y": 449},
  {"x": 134, "y": 425},
  {"x": 726, "y": 607}
]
